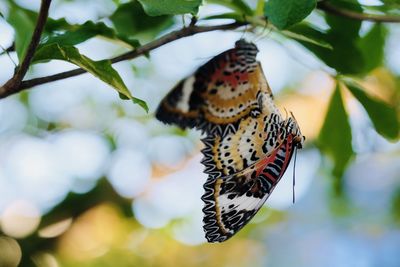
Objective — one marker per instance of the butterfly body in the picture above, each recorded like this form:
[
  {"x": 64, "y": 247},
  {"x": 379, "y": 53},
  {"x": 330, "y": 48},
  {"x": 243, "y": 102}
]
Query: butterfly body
[{"x": 248, "y": 145}]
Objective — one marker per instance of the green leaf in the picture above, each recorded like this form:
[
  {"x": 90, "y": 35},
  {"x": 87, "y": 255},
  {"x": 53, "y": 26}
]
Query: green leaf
[
  {"x": 170, "y": 7},
  {"x": 335, "y": 136},
  {"x": 284, "y": 13},
  {"x": 260, "y": 8},
  {"x": 23, "y": 25},
  {"x": 351, "y": 54},
  {"x": 101, "y": 69},
  {"x": 80, "y": 33},
  {"x": 239, "y": 6},
  {"x": 395, "y": 207},
  {"x": 372, "y": 47},
  {"x": 131, "y": 20},
  {"x": 383, "y": 116}
]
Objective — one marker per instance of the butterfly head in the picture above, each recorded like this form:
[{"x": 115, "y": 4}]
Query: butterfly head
[
  {"x": 244, "y": 45},
  {"x": 293, "y": 129}
]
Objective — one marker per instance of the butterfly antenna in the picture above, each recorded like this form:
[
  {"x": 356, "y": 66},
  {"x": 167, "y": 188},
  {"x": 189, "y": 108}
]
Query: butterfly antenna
[
  {"x": 244, "y": 32},
  {"x": 294, "y": 174},
  {"x": 291, "y": 114},
  {"x": 263, "y": 33},
  {"x": 286, "y": 113},
  {"x": 5, "y": 51}
]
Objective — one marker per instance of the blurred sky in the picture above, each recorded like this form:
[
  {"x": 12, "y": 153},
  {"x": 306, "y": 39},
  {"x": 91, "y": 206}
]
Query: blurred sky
[{"x": 161, "y": 170}]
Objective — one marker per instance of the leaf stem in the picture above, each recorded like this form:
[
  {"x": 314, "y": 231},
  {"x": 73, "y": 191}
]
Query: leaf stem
[
  {"x": 327, "y": 7},
  {"x": 170, "y": 37},
  {"x": 14, "y": 84}
]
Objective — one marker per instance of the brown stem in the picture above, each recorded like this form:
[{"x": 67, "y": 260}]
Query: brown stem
[
  {"x": 184, "y": 32},
  {"x": 327, "y": 7},
  {"x": 13, "y": 85}
]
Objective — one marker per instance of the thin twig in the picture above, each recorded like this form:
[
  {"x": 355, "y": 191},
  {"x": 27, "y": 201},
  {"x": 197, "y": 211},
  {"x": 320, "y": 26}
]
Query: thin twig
[
  {"x": 143, "y": 50},
  {"x": 335, "y": 10},
  {"x": 9, "y": 49},
  {"x": 13, "y": 85}
]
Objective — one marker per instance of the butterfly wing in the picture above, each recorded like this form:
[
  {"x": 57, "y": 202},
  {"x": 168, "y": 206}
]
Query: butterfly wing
[
  {"x": 254, "y": 139},
  {"x": 229, "y": 87},
  {"x": 232, "y": 201}
]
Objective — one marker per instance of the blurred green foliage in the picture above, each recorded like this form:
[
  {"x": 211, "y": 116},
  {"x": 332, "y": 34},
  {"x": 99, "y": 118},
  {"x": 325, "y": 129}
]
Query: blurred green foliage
[
  {"x": 335, "y": 136},
  {"x": 285, "y": 13}
]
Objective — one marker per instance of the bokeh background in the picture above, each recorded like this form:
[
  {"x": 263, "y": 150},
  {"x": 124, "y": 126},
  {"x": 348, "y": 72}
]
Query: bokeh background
[{"x": 87, "y": 179}]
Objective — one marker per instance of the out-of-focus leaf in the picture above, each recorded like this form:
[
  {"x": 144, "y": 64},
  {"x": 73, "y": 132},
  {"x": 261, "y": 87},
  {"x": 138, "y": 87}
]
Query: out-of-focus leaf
[
  {"x": 351, "y": 54},
  {"x": 131, "y": 20},
  {"x": 392, "y": 9},
  {"x": 23, "y": 26},
  {"x": 170, "y": 7},
  {"x": 239, "y": 6},
  {"x": 383, "y": 116},
  {"x": 343, "y": 26},
  {"x": 260, "y": 8},
  {"x": 335, "y": 136},
  {"x": 392, "y": 4},
  {"x": 51, "y": 24},
  {"x": 101, "y": 69},
  {"x": 284, "y": 13},
  {"x": 89, "y": 29},
  {"x": 396, "y": 206},
  {"x": 372, "y": 46},
  {"x": 342, "y": 35}
]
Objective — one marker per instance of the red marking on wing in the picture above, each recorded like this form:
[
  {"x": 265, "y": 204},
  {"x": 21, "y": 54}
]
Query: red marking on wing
[
  {"x": 233, "y": 78},
  {"x": 271, "y": 158}
]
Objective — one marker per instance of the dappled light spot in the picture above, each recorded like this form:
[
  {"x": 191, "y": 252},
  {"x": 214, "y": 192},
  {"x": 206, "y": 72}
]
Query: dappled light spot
[
  {"x": 55, "y": 229},
  {"x": 93, "y": 233},
  {"x": 50, "y": 102},
  {"x": 169, "y": 150},
  {"x": 176, "y": 195},
  {"x": 148, "y": 214},
  {"x": 10, "y": 252},
  {"x": 83, "y": 154},
  {"x": 30, "y": 165},
  {"x": 129, "y": 134},
  {"x": 16, "y": 122},
  {"x": 129, "y": 172},
  {"x": 20, "y": 219},
  {"x": 45, "y": 259},
  {"x": 189, "y": 230}
]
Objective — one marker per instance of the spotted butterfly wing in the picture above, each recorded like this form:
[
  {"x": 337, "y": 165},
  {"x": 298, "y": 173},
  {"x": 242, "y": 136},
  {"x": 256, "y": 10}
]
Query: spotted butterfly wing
[
  {"x": 231, "y": 201},
  {"x": 254, "y": 138},
  {"x": 219, "y": 94}
]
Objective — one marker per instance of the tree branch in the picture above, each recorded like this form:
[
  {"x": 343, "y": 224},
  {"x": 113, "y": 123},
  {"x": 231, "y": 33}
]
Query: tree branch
[
  {"x": 170, "y": 37},
  {"x": 13, "y": 85},
  {"x": 327, "y": 7}
]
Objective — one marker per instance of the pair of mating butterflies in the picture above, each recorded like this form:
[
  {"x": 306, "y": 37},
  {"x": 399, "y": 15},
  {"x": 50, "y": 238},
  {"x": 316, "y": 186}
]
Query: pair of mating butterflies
[{"x": 248, "y": 145}]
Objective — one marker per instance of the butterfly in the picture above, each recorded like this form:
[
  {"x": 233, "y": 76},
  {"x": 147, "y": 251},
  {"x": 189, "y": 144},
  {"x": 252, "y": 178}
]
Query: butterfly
[
  {"x": 219, "y": 94},
  {"x": 248, "y": 144},
  {"x": 244, "y": 167}
]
